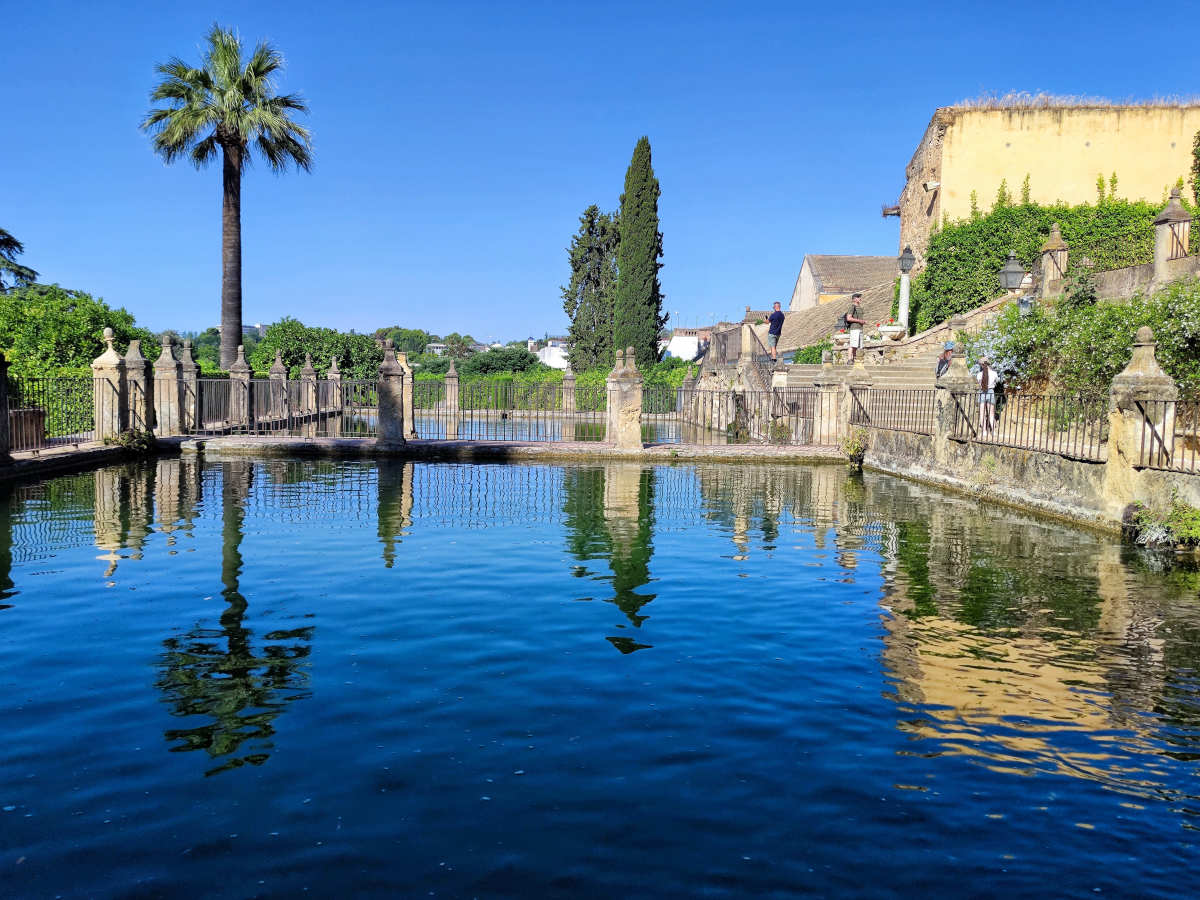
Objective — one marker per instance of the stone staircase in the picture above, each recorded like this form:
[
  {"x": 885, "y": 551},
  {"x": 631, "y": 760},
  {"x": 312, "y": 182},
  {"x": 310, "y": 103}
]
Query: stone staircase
[{"x": 913, "y": 373}]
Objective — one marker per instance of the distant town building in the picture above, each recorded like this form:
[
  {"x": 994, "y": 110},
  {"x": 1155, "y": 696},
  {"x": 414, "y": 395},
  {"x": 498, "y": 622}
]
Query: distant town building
[
  {"x": 554, "y": 356},
  {"x": 1062, "y": 145},
  {"x": 685, "y": 343},
  {"x": 436, "y": 349},
  {"x": 827, "y": 278},
  {"x": 258, "y": 329}
]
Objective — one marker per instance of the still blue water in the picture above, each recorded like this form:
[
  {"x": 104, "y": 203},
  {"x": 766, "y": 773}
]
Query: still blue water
[{"x": 265, "y": 678}]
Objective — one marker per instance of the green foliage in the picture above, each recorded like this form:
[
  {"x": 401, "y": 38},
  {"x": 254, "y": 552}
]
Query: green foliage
[
  {"x": 1178, "y": 525},
  {"x": 410, "y": 340},
  {"x": 637, "y": 313},
  {"x": 589, "y": 298},
  {"x": 963, "y": 260},
  {"x": 1003, "y": 197},
  {"x": 812, "y": 354},
  {"x": 458, "y": 345},
  {"x": 46, "y": 329},
  {"x": 135, "y": 440},
  {"x": 206, "y": 349},
  {"x": 1112, "y": 186},
  {"x": 975, "y": 214},
  {"x": 509, "y": 359},
  {"x": 1099, "y": 188},
  {"x": 357, "y": 355},
  {"x": 854, "y": 445},
  {"x": 1025, "y": 190},
  {"x": 1080, "y": 348},
  {"x": 1196, "y": 169},
  {"x": 10, "y": 249}
]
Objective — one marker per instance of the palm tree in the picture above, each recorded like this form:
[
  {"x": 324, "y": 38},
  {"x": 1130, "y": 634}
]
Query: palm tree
[
  {"x": 10, "y": 249},
  {"x": 228, "y": 104}
]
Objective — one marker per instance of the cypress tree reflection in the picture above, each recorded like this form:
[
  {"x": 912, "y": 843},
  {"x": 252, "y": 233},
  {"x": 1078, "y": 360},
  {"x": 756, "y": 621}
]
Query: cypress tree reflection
[
  {"x": 213, "y": 674},
  {"x": 610, "y": 514}
]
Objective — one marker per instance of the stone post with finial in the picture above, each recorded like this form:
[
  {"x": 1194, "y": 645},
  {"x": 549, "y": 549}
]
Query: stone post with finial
[
  {"x": 1141, "y": 422},
  {"x": 410, "y": 419},
  {"x": 624, "y": 416},
  {"x": 568, "y": 391},
  {"x": 1054, "y": 263},
  {"x": 278, "y": 376},
  {"x": 1172, "y": 231},
  {"x": 335, "y": 400},
  {"x": 308, "y": 386},
  {"x": 139, "y": 389},
  {"x": 832, "y": 402},
  {"x": 452, "y": 403},
  {"x": 241, "y": 402},
  {"x": 166, "y": 390},
  {"x": 392, "y": 427},
  {"x": 110, "y": 391},
  {"x": 189, "y": 389}
]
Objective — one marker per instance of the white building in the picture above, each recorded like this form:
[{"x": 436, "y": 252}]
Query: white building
[{"x": 553, "y": 356}]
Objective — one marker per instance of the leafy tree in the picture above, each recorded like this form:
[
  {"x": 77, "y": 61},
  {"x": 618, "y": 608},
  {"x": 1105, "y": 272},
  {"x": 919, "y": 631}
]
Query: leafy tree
[
  {"x": 410, "y": 340},
  {"x": 590, "y": 296},
  {"x": 10, "y": 249},
  {"x": 358, "y": 355},
  {"x": 514, "y": 359},
  {"x": 637, "y": 313},
  {"x": 206, "y": 348},
  {"x": 228, "y": 104},
  {"x": 459, "y": 345},
  {"x": 46, "y": 329}
]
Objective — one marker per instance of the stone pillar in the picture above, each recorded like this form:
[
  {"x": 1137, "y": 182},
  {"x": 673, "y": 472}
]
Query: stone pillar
[
  {"x": 746, "y": 351},
  {"x": 903, "y": 304},
  {"x": 308, "y": 386},
  {"x": 392, "y": 427},
  {"x": 139, "y": 388},
  {"x": 166, "y": 391},
  {"x": 568, "y": 391},
  {"x": 685, "y": 400},
  {"x": 189, "y": 389},
  {"x": 241, "y": 401},
  {"x": 1138, "y": 418},
  {"x": 410, "y": 419},
  {"x": 335, "y": 401},
  {"x": 1054, "y": 263},
  {"x": 5, "y": 434},
  {"x": 452, "y": 405},
  {"x": 278, "y": 376},
  {"x": 110, "y": 393},
  {"x": 950, "y": 404},
  {"x": 624, "y": 419},
  {"x": 828, "y": 426},
  {"x": 1172, "y": 229}
]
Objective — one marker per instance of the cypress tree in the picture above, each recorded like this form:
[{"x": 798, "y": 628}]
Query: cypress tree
[
  {"x": 637, "y": 315},
  {"x": 588, "y": 298}
]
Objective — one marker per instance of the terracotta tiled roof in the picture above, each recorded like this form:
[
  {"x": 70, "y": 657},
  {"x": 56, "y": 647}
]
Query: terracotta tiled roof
[
  {"x": 756, "y": 315},
  {"x": 811, "y": 326},
  {"x": 844, "y": 274}
]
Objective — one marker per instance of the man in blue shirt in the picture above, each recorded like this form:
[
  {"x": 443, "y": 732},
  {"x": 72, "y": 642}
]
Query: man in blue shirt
[{"x": 773, "y": 331}]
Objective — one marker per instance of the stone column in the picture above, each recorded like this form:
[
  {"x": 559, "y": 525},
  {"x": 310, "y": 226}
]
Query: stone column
[
  {"x": 828, "y": 426},
  {"x": 1054, "y": 263},
  {"x": 110, "y": 391},
  {"x": 410, "y": 419},
  {"x": 241, "y": 402},
  {"x": 624, "y": 419},
  {"x": 746, "y": 351},
  {"x": 166, "y": 390},
  {"x": 392, "y": 427},
  {"x": 902, "y": 306},
  {"x": 685, "y": 400},
  {"x": 1172, "y": 228},
  {"x": 1138, "y": 417},
  {"x": 949, "y": 404},
  {"x": 139, "y": 388},
  {"x": 308, "y": 386},
  {"x": 335, "y": 401},
  {"x": 452, "y": 406},
  {"x": 189, "y": 389},
  {"x": 5, "y": 433},
  {"x": 278, "y": 376},
  {"x": 568, "y": 391}
]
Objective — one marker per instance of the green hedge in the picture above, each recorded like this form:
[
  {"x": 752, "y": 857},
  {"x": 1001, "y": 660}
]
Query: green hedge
[
  {"x": 963, "y": 260},
  {"x": 1079, "y": 349}
]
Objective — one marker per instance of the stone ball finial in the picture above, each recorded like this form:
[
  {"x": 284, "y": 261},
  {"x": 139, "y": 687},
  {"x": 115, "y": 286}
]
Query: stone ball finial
[
  {"x": 389, "y": 344},
  {"x": 1145, "y": 335},
  {"x": 1175, "y": 194},
  {"x": 108, "y": 334},
  {"x": 166, "y": 340}
]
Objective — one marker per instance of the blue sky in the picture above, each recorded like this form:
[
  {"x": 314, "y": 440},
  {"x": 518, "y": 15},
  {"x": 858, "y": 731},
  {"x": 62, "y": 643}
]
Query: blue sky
[{"x": 456, "y": 144}]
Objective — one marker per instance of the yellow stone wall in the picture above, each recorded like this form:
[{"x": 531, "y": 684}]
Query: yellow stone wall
[{"x": 1063, "y": 150}]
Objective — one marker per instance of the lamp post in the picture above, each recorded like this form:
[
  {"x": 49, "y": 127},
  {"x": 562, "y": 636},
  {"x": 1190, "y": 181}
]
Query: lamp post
[
  {"x": 1012, "y": 274},
  {"x": 906, "y": 261}
]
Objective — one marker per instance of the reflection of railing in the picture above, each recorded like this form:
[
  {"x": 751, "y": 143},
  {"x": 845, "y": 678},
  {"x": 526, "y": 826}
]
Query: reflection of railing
[
  {"x": 1170, "y": 435},
  {"x": 892, "y": 409},
  {"x": 45, "y": 411},
  {"x": 1069, "y": 425}
]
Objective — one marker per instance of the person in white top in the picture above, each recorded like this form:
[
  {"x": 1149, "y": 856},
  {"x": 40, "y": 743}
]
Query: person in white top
[{"x": 987, "y": 379}]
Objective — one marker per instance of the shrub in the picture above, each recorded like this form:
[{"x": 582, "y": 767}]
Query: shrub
[{"x": 812, "y": 354}]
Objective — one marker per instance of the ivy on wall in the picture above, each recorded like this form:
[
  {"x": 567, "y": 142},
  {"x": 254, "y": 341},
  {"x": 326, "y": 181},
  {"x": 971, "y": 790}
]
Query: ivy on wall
[{"x": 963, "y": 260}]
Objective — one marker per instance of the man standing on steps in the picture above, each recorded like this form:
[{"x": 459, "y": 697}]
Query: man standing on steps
[
  {"x": 855, "y": 322},
  {"x": 774, "y": 330}
]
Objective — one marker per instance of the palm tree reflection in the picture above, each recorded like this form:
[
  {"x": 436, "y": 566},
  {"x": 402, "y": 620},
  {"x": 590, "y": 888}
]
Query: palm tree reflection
[{"x": 215, "y": 675}]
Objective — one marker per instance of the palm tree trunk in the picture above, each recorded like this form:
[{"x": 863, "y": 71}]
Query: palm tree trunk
[{"x": 231, "y": 255}]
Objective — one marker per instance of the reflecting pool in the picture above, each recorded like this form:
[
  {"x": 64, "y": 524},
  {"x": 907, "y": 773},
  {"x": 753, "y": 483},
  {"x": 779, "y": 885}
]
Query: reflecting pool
[{"x": 265, "y": 677}]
